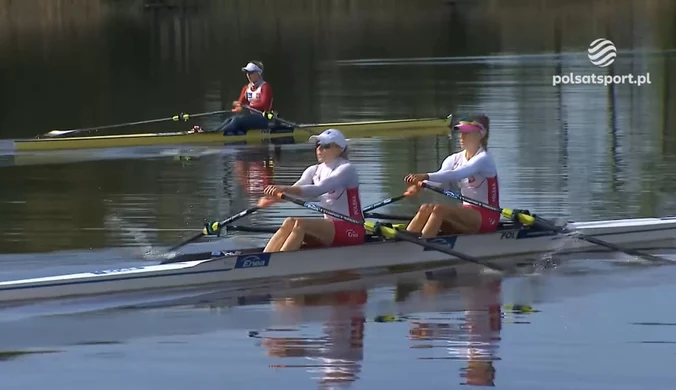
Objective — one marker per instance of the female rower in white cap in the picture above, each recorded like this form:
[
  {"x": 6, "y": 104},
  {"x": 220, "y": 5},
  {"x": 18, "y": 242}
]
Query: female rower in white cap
[
  {"x": 475, "y": 172},
  {"x": 336, "y": 182}
]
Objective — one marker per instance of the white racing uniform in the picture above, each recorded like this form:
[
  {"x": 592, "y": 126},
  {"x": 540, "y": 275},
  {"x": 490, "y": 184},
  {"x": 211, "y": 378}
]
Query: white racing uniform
[
  {"x": 337, "y": 185},
  {"x": 477, "y": 179}
]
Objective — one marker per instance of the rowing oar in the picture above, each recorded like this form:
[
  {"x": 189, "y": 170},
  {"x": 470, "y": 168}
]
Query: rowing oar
[
  {"x": 175, "y": 118},
  {"x": 252, "y": 210},
  {"x": 384, "y": 202},
  {"x": 533, "y": 220},
  {"x": 398, "y": 234},
  {"x": 271, "y": 116},
  {"x": 204, "y": 232}
]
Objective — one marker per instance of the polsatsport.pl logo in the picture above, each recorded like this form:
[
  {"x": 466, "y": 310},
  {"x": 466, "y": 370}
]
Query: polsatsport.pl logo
[{"x": 602, "y": 53}]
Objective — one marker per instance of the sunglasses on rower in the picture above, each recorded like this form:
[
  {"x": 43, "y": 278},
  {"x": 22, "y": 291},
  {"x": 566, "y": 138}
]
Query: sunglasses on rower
[{"x": 323, "y": 146}]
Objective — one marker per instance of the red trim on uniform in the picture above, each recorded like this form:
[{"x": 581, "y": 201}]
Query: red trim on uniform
[
  {"x": 493, "y": 191},
  {"x": 354, "y": 203},
  {"x": 347, "y": 233},
  {"x": 489, "y": 219},
  {"x": 262, "y": 104}
]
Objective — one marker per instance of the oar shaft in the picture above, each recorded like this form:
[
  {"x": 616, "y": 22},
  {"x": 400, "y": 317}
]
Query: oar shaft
[
  {"x": 410, "y": 237},
  {"x": 320, "y": 209},
  {"x": 284, "y": 121},
  {"x": 390, "y": 217},
  {"x": 232, "y": 219},
  {"x": 383, "y": 202},
  {"x": 507, "y": 213},
  {"x": 543, "y": 223},
  {"x": 183, "y": 116}
]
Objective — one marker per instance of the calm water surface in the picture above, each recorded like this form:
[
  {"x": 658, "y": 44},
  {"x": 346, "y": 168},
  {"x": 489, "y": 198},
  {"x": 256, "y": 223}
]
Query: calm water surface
[{"x": 581, "y": 152}]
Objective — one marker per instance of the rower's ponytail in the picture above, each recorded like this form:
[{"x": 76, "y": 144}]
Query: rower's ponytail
[
  {"x": 344, "y": 154},
  {"x": 485, "y": 122},
  {"x": 484, "y": 141}
]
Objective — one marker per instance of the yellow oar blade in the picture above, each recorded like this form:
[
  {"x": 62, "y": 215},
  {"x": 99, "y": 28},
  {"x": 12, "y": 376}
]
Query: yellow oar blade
[
  {"x": 384, "y": 231},
  {"x": 523, "y": 218}
]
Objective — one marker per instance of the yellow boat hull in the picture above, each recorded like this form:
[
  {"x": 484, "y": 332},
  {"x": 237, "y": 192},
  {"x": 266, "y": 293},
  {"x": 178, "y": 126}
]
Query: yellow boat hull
[{"x": 302, "y": 132}]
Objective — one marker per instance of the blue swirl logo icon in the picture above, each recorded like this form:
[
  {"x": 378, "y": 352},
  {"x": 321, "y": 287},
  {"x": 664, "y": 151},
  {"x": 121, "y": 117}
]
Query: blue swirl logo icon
[{"x": 602, "y": 52}]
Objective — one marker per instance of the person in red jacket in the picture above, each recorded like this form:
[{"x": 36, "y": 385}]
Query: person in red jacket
[{"x": 257, "y": 94}]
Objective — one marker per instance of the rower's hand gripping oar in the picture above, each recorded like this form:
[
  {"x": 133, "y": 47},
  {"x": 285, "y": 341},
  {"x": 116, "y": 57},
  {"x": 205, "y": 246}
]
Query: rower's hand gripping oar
[
  {"x": 212, "y": 228},
  {"x": 398, "y": 234},
  {"x": 531, "y": 220},
  {"x": 181, "y": 117}
]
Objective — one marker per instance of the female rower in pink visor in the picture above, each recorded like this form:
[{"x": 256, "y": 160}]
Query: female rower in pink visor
[{"x": 474, "y": 170}]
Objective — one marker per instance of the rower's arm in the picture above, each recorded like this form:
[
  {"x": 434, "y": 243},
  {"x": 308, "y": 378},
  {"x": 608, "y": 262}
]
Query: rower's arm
[
  {"x": 338, "y": 180},
  {"x": 446, "y": 165},
  {"x": 306, "y": 177},
  {"x": 472, "y": 167},
  {"x": 242, "y": 95}
]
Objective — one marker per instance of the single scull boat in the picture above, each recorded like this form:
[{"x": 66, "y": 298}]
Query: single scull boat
[
  {"x": 427, "y": 126},
  {"x": 509, "y": 247}
]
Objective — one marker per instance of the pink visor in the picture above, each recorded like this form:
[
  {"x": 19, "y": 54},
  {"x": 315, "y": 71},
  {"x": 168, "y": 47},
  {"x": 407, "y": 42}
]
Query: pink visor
[{"x": 470, "y": 127}]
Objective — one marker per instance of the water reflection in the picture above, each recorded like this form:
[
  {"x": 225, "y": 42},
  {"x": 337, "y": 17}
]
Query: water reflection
[
  {"x": 472, "y": 335},
  {"x": 337, "y": 354},
  {"x": 447, "y": 319}
]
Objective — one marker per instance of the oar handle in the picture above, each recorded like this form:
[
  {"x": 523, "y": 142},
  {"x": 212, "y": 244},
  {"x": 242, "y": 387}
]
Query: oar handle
[{"x": 318, "y": 208}]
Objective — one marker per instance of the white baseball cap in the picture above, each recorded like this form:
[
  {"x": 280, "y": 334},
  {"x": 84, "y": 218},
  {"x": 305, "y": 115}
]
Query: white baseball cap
[
  {"x": 251, "y": 67},
  {"x": 330, "y": 136}
]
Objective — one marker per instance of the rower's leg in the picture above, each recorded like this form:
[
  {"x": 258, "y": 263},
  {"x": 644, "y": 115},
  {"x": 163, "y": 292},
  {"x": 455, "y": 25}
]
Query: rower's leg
[
  {"x": 434, "y": 222},
  {"x": 278, "y": 239},
  {"x": 418, "y": 222},
  {"x": 242, "y": 123},
  {"x": 456, "y": 220},
  {"x": 225, "y": 123},
  {"x": 322, "y": 231}
]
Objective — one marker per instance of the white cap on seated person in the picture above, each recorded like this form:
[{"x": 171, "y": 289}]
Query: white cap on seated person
[
  {"x": 330, "y": 136},
  {"x": 251, "y": 67}
]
